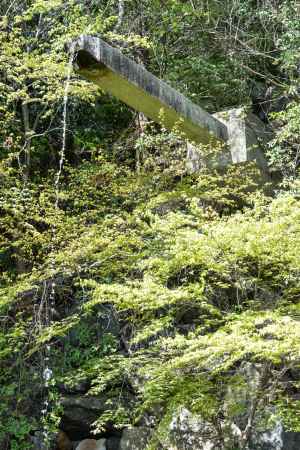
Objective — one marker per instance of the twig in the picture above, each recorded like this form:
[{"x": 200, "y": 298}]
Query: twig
[
  {"x": 261, "y": 75},
  {"x": 120, "y": 15}
]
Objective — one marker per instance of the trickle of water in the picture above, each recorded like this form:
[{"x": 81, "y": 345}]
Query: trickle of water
[
  {"x": 49, "y": 303},
  {"x": 65, "y": 124}
]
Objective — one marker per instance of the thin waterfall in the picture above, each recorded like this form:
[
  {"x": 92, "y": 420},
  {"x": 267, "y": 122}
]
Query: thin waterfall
[
  {"x": 49, "y": 298},
  {"x": 64, "y": 133}
]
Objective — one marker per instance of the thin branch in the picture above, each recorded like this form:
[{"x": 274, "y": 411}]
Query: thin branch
[
  {"x": 10, "y": 6},
  {"x": 121, "y": 11},
  {"x": 254, "y": 406},
  {"x": 272, "y": 81}
]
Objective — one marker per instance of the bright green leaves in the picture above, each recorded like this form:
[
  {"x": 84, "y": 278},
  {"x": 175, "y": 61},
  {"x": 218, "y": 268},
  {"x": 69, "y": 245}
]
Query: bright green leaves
[
  {"x": 283, "y": 153},
  {"x": 34, "y": 61},
  {"x": 167, "y": 283},
  {"x": 41, "y": 7}
]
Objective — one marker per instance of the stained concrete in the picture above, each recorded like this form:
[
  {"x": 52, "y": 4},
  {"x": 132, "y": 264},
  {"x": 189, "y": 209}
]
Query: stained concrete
[
  {"x": 247, "y": 134},
  {"x": 134, "y": 85},
  {"x": 120, "y": 76}
]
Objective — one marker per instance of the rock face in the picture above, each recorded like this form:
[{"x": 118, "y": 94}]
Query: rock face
[
  {"x": 79, "y": 413},
  {"x": 189, "y": 432},
  {"x": 276, "y": 439},
  {"x": 135, "y": 438},
  {"x": 186, "y": 431}
]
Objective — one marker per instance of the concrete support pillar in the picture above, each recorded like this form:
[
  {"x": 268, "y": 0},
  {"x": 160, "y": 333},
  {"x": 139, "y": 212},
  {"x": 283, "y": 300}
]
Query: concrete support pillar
[{"x": 247, "y": 135}]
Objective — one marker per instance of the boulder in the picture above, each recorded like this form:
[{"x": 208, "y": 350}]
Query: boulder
[
  {"x": 113, "y": 443},
  {"x": 91, "y": 444},
  {"x": 81, "y": 411},
  {"x": 276, "y": 439},
  {"x": 135, "y": 438},
  {"x": 59, "y": 440},
  {"x": 189, "y": 432}
]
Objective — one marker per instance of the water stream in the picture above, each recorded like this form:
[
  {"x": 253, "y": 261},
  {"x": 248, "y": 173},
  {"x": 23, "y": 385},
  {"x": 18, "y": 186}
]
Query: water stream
[{"x": 49, "y": 299}]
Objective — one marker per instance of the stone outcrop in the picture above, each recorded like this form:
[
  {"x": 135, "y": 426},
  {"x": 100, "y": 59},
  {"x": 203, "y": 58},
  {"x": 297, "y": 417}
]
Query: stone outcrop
[
  {"x": 187, "y": 432},
  {"x": 135, "y": 438},
  {"x": 81, "y": 411}
]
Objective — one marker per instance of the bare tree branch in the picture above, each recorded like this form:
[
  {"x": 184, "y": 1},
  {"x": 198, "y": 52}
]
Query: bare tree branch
[{"x": 121, "y": 12}]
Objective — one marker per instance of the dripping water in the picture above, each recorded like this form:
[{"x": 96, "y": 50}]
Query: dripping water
[
  {"x": 65, "y": 124},
  {"x": 48, "y": 301}
]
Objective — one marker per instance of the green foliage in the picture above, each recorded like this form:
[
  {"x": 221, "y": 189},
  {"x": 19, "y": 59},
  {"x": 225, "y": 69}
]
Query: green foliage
[
  {"x": 284, "y": 152},
  {"x": 200, "y": 284},
  {"x": 166, "y": 284},
  {"x": 289, "y": 412},
  {"x": 18, "y": 429}
]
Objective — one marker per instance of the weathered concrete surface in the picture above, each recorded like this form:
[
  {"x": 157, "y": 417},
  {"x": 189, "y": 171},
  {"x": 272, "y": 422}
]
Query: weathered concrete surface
[
  {"x": 134, "y": 85},
  {"x": 246, "y": 136},
  {"x": 196, "y": 158}
]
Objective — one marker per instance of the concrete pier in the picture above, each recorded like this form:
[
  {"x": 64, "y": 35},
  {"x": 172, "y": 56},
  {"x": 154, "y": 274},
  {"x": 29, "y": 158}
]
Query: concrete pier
[{"x": 130, "y": 82}]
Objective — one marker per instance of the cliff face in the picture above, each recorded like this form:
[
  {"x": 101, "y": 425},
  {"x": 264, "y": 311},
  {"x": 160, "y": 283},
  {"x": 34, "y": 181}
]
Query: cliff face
[
  {"x": 175, "y": 317},
  {"x": 144, "y": 304}
]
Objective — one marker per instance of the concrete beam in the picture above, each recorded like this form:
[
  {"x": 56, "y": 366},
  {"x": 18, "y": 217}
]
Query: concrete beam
[
  {"x": 120, "y": 76},
  {"x": 134, "y": 85}
]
